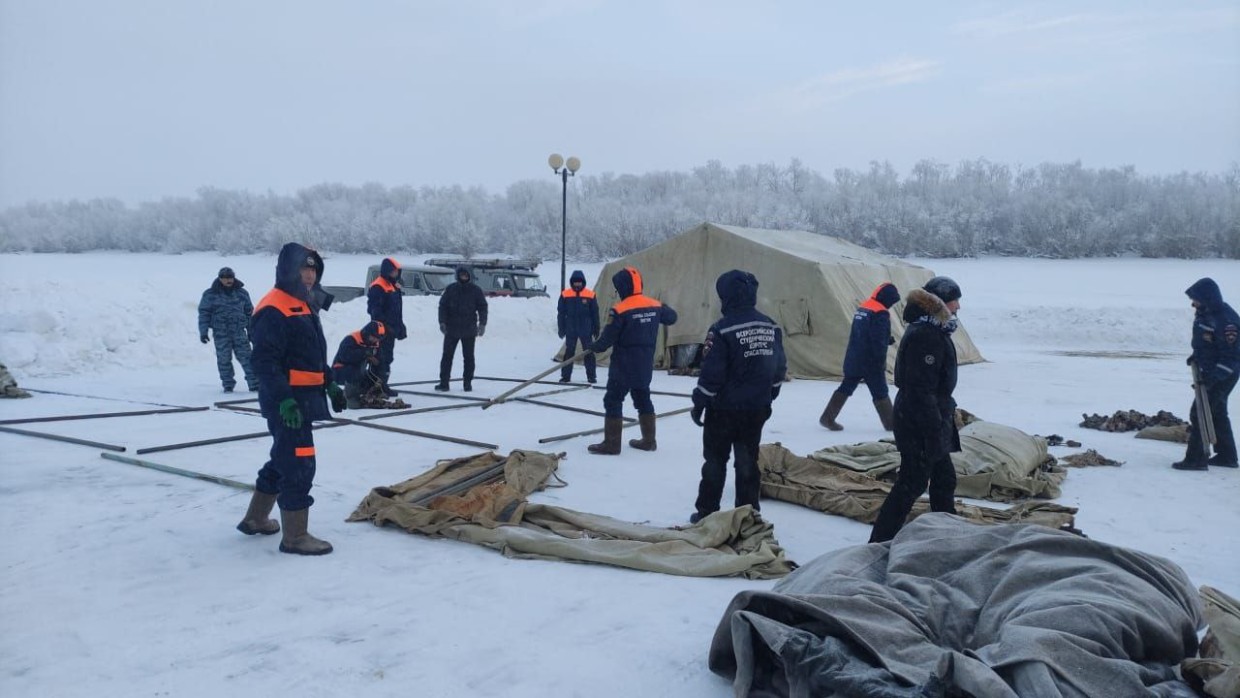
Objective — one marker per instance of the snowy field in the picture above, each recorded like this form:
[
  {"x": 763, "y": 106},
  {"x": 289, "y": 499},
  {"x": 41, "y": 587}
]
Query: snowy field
[{"x": 121, "y": 581}]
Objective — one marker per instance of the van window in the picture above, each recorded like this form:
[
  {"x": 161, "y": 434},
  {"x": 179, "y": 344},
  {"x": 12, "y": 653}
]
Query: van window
[{"x": 411, "y": 280}]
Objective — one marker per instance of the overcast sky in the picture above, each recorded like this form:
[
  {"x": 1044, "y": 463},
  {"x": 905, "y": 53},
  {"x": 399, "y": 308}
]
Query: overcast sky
[{"x": 145, "y": 99}]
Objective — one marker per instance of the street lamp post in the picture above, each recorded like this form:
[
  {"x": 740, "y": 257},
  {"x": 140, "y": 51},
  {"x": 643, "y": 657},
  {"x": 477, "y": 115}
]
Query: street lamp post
[{"x": 565, "y": 170}]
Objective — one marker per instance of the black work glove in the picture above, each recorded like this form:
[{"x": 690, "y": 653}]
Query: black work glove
[
  {"x": 204, "y": 338},
  {"x": 891, "y": 340},
  {"x": 696, "y": 414},
  {"x": 336, "y": 394},
  {"x": 1190, "y": 361},
  {"x": 561, "y": 334}
]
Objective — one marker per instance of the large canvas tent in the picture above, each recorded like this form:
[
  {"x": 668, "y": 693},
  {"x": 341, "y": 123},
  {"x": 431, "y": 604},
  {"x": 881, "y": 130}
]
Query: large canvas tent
[{"x": 810, "y": 284}]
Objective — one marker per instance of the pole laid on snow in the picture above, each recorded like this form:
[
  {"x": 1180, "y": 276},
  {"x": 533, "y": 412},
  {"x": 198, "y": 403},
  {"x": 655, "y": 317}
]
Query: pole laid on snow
[
  {"x": 495, "y": 472},
  {"x": 58, "y": 437},
  {"x": 468, "y": 398},
  {"x": 423, "y": 434},
  {"x": 418, "y": 410},
  {"x": 504, "y": 396},
  {"x": 570, "y": 408},
  {"x": 571, "y": 389},
  {"x": 588, "y": 432},
  {"x": 97, "y": 397},
  {"x": 101, "y": 415},
  {"x": 177, "y": 471},
  {"x": 221, "y": 440}
]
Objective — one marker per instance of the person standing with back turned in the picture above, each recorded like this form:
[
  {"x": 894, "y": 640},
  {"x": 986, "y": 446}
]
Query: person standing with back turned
[{"x": 925, "y": 412}]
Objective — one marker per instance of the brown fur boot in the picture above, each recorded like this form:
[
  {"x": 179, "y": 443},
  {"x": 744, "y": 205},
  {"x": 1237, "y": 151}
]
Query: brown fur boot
[
  {"x": 646, "y": 442},
  {"x": 832, "y": 411},
  {"x": 610, "y": 445}
]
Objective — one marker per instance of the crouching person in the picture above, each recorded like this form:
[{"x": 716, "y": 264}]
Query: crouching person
[
  {"x": 290, "y": 361},
  {"x": 359, "y": 365},
  {"x": 743, "y": 366},
  {"x": 632, "y": 331}
]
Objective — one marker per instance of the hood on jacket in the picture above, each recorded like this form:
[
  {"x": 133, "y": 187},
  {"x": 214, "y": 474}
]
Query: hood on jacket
[
  {"x": 387, "y": 266},
  {"x": 1205, "y": 291},
  {"x": 293, "y": 256},
  {"x": 578, "y": 275},
  {"x": 738, "y": 291},
  {"x": 374, "y": 328},
  {"x": 923, "y": 303},
  {"x": 887, "y": 294},
  {"x": 628, "y": 282},
  {"x": 469, "y": 275}
]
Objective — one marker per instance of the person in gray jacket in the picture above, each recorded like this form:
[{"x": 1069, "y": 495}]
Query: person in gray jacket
[{"x": 225, "y": 311}]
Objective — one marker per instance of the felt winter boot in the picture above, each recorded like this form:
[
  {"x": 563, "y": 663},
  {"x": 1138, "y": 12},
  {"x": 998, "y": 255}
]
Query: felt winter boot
[
  {"x": 646, "y": 442},
  {"x": 258, "y": 516},
  {"x": 610, "y": 445},
  {"x": 883, "y": 407},
  {"x": 832, "y": 411},
  {"x": 296, "y": 540}
]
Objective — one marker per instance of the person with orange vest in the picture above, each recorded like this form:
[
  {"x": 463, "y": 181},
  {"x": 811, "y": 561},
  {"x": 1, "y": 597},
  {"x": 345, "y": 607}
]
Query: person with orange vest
[
  {"x": 866, "y": 357},
  {"x": 631, "y": 333},
  {"x": 577, "y": 316},
  {"x": 357, "y": 363},
  {"x": 294, "y": 380},
  {"x": 385, "y": 304}
]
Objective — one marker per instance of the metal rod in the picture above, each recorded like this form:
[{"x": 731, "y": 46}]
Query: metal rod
[
  {"x": 653, "y": 392},
  {"x": 518, "y": 380},
  {"x": 242, "y": 401},
  {"x": 545, "y": 393},
  {"x": 101, "y": 415},
  {"x": 504, "y": 396},
  {"x": 96, "y": 397},
  {"x": 443, "y": 395},
  {"x": 1205, "y": 416},
  {"x": 419, "y": 410},
  {"x": 177, "y": 471},
  {"x": 423, "y": 434},
  {"x": 239, "y": 408},
  {"x": 222, "y": 439},
  {"x": 588, "y": 432},
  {"x": 494, "y": 472},
  {"x": 428, "y": 382},
  {"x": 570, "y": 408},
  {"x": 66, "y": 439}
]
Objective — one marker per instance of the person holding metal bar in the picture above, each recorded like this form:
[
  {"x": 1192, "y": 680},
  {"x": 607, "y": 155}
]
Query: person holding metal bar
[
  {"x": 359, "y": 363},
  {"x": 632, "y": 331},
  {"x": 1216, "y": 366},
  {"x": 577, "y": 317},
  {"x": 290, "y": 360},
  {"x": 743, "y": 368}
]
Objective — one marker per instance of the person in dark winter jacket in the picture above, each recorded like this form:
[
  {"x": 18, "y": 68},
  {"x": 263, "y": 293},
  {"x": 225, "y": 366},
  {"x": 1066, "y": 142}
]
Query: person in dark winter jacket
[
  {"x": 866, "y": 357},
  {"x": 925, "y": 412},
  {"x": 743, "y": 367},
  {"x": 462, "y": 318},
  {"x": 358, "y": 363},
  {"x": 1216, "y": 356},
  {"x": 385, "y": 304},
  {"x": 577, "y": 316},
  {"x": 290, "y": 361},
  {"x": 225, "y": 310},
  {"x": 631, "y": 333}
]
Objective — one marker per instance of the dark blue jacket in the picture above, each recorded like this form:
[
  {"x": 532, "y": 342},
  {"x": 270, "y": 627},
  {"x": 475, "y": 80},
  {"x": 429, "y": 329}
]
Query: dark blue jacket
[
  {"x": 632, "y": 331},
  {"x": 463, "y": 306},
  {"x": 350, "y": 362},
  {"x": 577, "y": 312},
  {"x": 1216, "y": 347},
  {"x": 871, "y": 334},
  {"x": 225, "y": 311},
  {"x": 385, "y": 299},
  {"x": 743, "y": 362},
  {"x": 290, "y": 351}
]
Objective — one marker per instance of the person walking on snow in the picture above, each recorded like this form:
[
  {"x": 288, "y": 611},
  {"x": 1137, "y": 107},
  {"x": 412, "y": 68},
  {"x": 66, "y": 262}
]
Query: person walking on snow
[
  {"x": 866, "y": 357},
  {"x": 225, "y": 310},
  {"x": 925, "y": 412},
  {"x": 743, "y": 367},
  {"x": 632, "y": 331},
  {"x": 385, "y": 304},
  {"x": 462, "y": 319},
  {"x": 577, "y": 317},
  {"x": 1216, "y": 353},
  {"x": 290, "y": 360}
]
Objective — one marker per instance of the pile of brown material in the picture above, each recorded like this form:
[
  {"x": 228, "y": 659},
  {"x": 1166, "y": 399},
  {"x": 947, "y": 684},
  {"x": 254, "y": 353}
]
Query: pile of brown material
[
  {"x": 1086, "y": 459},
  {"x": 1129, "y": 420}
]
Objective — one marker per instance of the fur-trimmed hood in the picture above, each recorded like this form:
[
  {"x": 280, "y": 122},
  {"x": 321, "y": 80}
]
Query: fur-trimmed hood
[{"x": 921, "y": 303}]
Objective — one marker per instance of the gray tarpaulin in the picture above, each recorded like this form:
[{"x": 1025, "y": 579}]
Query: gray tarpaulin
[
  {"x": 496, "y": 514},
  {"x": 953, "y": 608}
]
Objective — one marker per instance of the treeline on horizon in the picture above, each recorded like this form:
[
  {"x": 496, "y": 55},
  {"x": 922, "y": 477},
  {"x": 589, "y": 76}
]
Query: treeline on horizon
[{"x": 974, "y": 208}]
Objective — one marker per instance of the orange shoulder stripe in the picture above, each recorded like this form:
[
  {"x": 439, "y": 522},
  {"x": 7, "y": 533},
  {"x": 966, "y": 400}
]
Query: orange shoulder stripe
[
  {"x": 636, "y": 302},
  {"x": 383, "y": 284},
  {"x": 874, "y": 306},
  {"x": 288, "y": 304}
]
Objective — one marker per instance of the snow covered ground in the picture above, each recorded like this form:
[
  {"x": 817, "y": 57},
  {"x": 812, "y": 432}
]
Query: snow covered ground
[{"x": 120, "y": 581}]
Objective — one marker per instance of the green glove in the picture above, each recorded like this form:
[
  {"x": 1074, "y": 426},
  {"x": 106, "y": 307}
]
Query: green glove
[
  {"x": 336, "y": 394},
  {"x": 290, "y": 413}
]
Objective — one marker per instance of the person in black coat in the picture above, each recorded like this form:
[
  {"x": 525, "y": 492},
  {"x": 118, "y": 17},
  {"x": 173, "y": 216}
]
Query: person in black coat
[
  {"x": 631, "y": 333},
  {"x": 577, "y": 317},
  {"x": 866, "y": 357},
  {"x": 385, "y": 304},
  {"x": 358, "y": 363},
  {"x": 925, "y": 412},
  {"x": 743, "y": 367},
  {"x": 1216, "y": 355},
  {"x": 462, "y": 318}
]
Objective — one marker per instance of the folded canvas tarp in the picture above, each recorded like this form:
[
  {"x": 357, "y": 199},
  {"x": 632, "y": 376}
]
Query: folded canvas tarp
[
  {"x": 996, "y": 462},
  {"x": 494, "y": 513},
  {"x": 951, "y": 608},
  {"x": 1216, "y": 672}
]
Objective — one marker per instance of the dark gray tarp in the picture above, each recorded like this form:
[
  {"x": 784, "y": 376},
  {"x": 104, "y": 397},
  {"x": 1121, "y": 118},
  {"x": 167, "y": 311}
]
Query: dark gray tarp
[{"x": 954, "y": 608}]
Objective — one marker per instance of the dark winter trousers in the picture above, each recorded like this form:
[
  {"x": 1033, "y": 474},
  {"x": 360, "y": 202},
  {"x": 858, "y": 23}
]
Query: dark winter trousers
[
  {"x": 875, "y": 381},
  {"x": 387, "y": 354},
  {"x": 225, "y": 346},
  {"x": 290, "y": 472},
  {"x": 923, "y": 461},
  {"x": 449, "y": 353},
  {"x": 1225, "y": 439},
  {"x": 570, "y": 349},
  {"x": 727, "y": 432},
  {"x": 613, "y": 399}
]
